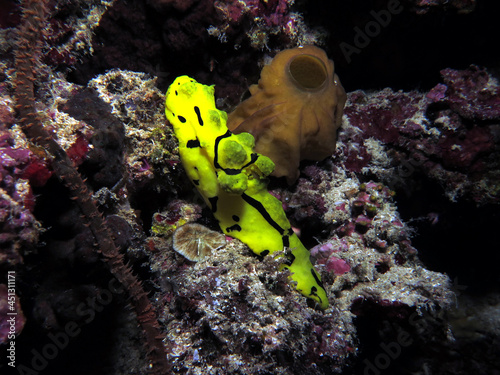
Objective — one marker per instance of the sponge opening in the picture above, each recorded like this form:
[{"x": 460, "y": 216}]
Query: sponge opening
[{"x": 307, "y": 72}]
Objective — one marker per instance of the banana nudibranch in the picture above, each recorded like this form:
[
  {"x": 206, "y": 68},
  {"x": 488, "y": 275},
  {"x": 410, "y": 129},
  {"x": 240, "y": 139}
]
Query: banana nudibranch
[{"x": 232, "y": 178}]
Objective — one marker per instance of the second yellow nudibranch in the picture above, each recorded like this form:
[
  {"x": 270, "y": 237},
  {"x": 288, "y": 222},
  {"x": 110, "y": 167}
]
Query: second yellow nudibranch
[{"x": 232, "y": 178}]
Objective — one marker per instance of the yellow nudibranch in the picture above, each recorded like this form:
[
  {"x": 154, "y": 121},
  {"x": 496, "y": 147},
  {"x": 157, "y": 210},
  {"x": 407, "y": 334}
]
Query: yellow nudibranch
[{"x": 232, "y": 178}]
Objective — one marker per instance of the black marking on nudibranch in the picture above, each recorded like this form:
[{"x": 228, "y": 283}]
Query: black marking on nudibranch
[
  {"x": 263, "y": 253},
  {"x": 197, "y": 110},
  {"x": 236, "y": 218},
  {"x": 262, "y": 210},
  {"x": 234, "y": 227},
  {"x": 213, "y": 203},
  {"x": 196, "y": 182},
  {"x": 290, "y": 259},
  {"x": 216, "y": 148},
  {"x": 193, "y": 143},
  {"x": 318, "y": 281},
  {"x": 176, "y": 93},
  {"x": 314, "y": 291},
  {"x": 181, "y": 119},
  {"x": 286, "y": 241},
  {"x": 231, "y": 171},
  {"x": 253, "y": 159}
]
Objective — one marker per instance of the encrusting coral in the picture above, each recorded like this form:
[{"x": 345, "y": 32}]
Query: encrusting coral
[
  {"x": 294, "y": 111},
  {"x": 232, "y": 178}
]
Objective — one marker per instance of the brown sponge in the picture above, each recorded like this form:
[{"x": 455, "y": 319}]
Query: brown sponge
[{"x": 294, "y": 111}]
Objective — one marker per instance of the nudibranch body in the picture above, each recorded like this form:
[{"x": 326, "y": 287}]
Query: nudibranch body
[{"x": 232, "y": 178}]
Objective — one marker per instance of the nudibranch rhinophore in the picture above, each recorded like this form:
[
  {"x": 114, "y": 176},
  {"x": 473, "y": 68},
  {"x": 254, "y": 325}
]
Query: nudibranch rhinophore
[
  {"x": 232, "y": 178},
  {"x": 294, "y": 111}
]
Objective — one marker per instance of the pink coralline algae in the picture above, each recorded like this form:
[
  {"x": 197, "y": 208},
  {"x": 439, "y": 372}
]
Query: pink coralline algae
[
  {"x": 364, "y": 217},
  {"x": 323, "y": 254},
  {"x": 337, "y": 266},
  {"x": 462, "y": 6},
  {"x": 78, "y": 151},
  {"x": 273, "y": 12},
  {"x": 177, "y": 214},
  {"x": 262, "y": 21},
  {"x": 448, "y": 134},
  {"x": 473, "y": 93},
  {"x": 56, "y": 34},
  {"x": 474, "y": 142},
  {"x": 18, "y": 168}
]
